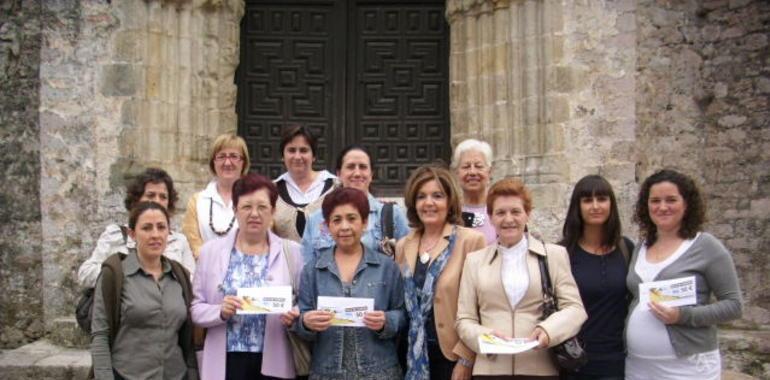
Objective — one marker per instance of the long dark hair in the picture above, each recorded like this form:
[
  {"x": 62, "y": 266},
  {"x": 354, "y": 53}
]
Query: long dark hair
[
  {"x": 694, "y": 213},
  {"x": 591, "y": 186}
]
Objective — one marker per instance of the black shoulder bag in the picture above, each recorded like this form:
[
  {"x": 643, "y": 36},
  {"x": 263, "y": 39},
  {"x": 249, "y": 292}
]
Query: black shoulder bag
[
  {"x": 83, "y": 310},
  {"x": 569, "y": 355}
]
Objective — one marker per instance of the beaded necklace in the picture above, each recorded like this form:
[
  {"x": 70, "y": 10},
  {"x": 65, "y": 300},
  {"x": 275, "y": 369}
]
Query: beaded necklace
[{"x": 211, "y": 221}]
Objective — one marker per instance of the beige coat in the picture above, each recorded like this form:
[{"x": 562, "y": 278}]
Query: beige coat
[
  {"x": 483, "y": 307},
  {"x": 448, "y": 284}
]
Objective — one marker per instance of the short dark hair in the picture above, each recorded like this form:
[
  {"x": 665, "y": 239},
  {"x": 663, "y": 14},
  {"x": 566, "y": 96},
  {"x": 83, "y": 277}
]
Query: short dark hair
[
  {"x": 254, "y": 182},
  {"x": 135, "y": 189},
  {"x": 591, "y": 186},
  {"x": 142, "y": 207},
  {"x": 445, "y": 180},
  {"x": 345, "y": 196},
  {"x": 694, "y": 214},
  {"x": 293, "y": 131},
  {"x": 348, "y": 149}
]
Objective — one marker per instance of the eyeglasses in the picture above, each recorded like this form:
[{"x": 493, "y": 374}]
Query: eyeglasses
[
  {"x": 232, "y": 157},
  {"x": 262, "y": 210}
]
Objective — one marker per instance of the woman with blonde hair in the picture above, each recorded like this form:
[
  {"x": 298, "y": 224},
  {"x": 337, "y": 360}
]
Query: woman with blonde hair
[
  {"x": 431, "y": 259},
  {"x": 210, "y": 213}
]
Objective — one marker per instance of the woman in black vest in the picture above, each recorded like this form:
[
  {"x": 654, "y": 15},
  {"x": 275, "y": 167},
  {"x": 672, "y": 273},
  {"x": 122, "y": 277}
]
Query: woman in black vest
[{"x": 301, "y": 189}]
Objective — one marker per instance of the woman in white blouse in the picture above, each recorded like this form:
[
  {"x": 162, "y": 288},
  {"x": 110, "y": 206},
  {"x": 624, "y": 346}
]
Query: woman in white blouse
[
  {"x": 301, "y": 189},
  {"x": 501, "y": 293},
  {"x": 210, "y": 212}
]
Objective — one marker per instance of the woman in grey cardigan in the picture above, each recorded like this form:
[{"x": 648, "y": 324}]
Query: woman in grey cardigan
[{"x": 669, "y": 342}]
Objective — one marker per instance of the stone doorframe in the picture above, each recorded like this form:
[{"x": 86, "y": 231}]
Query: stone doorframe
[{"x": 132, "y": 84}]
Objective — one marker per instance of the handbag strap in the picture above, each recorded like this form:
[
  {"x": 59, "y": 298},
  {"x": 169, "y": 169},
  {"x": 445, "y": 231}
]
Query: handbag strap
[
  {"x": 289, "y": 264},
  {"x": 550, "y": 304}
]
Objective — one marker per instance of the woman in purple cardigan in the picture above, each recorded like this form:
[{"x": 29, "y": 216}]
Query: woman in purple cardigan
[{"x": 245, "y": 346}]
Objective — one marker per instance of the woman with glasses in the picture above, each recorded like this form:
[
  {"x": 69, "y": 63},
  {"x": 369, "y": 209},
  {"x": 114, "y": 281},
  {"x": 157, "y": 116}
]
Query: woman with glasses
[
  {"x": 210, "y": 212},
  {"x": 243, "y": 346},
  {"x": 301, "y": 189}
]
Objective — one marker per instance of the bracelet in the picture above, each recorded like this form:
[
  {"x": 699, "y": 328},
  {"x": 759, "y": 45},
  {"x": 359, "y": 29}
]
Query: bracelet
[{"x": 465, "y": 362}]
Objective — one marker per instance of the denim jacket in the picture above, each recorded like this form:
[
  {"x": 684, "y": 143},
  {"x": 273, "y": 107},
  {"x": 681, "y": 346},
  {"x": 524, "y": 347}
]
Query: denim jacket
[
  {"x": 377, "y": 277},
  {"x": 316, "y": 236}
]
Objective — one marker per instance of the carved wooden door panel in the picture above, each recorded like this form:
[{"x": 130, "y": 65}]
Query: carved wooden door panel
[
  {"x": 398, "y": 101},
  {"x": 355, "y": 71}
]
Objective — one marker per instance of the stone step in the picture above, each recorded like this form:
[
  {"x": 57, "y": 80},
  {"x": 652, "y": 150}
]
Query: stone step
[
  {"x": 65, "y": 332},
  {"x": 745, "y": 353},
  {"x": 43, "y": 360}
]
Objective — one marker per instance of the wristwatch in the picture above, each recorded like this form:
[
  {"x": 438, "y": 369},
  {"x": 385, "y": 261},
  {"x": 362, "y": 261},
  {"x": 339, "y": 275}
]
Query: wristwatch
[{"x": 465, "y": 362}]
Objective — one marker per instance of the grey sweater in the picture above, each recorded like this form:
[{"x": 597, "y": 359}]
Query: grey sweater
[{"x": 711, "y": 264}]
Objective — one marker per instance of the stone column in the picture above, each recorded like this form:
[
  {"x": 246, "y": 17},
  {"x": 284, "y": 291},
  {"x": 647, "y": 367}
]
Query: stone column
[
  {"x": 125, "y": 85},
  {"x": 505, "y": 89}
]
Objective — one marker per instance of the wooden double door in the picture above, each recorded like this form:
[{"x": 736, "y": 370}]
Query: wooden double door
[{"x": 353, "y": 71}]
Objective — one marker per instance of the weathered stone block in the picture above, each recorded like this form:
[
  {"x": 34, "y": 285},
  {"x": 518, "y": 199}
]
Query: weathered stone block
[{"x": 118, "y": 80}]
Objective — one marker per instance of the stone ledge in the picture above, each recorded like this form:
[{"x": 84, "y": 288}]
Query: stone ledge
[
  {"x": 43, "y": 360},
  {"x": 745, "y": 353},
  {"x": 64, "y": 331}
]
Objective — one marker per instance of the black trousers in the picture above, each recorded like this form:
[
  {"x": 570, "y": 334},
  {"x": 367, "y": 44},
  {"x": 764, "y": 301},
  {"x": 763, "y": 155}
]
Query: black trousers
[
  {"x": 440, "y": 367},
  {"x": 245, "y": 366}
]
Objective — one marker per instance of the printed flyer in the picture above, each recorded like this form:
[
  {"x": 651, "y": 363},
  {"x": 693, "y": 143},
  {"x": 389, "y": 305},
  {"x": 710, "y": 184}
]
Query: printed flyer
[
  {"x": 348, "y": 311},
  {"x": 676, "y": 292},
  {"x": 491, "y": 344},
  {"x": 265, "y": 300}
]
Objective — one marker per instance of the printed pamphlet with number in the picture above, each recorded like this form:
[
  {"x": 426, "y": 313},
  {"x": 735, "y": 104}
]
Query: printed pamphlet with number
[
  {"x": 348, "y": 311},
  {"x": 676, "y": 292},
  {"x": 265, "y": 300},
  {"x": 491, "y": 344}
]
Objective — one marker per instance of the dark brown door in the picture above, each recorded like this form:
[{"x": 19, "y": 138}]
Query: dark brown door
[{"x": 367, "y": 72}]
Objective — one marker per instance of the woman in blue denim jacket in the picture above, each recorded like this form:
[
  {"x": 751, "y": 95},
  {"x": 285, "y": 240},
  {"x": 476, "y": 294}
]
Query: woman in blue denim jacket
[
  {"x": 349, "y": 269},
  {"x": 354, "y": 169}
]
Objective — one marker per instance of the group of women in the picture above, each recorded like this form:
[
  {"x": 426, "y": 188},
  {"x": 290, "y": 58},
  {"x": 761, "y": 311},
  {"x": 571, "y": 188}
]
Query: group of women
[{"x": 456, "y": 262}]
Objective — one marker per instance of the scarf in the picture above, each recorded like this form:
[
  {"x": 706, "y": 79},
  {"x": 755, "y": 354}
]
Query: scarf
[{"x": 419, "y": 305}]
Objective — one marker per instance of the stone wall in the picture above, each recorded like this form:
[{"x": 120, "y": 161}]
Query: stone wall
[
  {"x": 550, "y": 84},
  {"x": 125, "y": 85},
  {"x": 702, "y": 106},
  {"x": 703, "y": 85},
  {"x": 20, "y": 227}
]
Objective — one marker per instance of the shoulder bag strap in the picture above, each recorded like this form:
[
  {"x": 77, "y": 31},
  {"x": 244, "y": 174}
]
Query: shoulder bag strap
[
  {"x": 550, "y": 304},
  {"x": 112, "y": 286},
  {"x": 386, "y": 220},
  {"x": 124, "y": 231}
]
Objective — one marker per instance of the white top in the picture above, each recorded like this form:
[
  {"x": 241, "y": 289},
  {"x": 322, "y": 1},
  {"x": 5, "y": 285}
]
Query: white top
[
  {"x": 221, "y": 214},
  {"x": 514, "y": 271},
  {"x": 649, "y": 347},
  {"x": 111, "y": 242},
  {"x": 312, "y": 193}
]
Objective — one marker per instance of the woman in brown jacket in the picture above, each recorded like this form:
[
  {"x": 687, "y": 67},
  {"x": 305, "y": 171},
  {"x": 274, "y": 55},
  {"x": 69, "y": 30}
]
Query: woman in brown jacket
[
  {"x": 501, "y": 294},
  {"x": 431, "y": 258}
]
